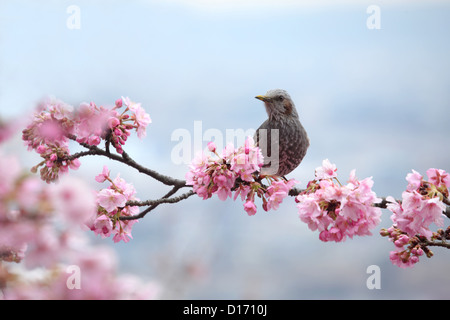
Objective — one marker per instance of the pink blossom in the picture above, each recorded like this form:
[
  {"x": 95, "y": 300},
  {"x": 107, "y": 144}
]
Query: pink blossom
[
  {"x": 141, "y": 118},
  {"x": 50, "y": 125},
  {"x": 333, "y": 234},
  {"x": 200, "y": 182},
  {"x": 113, "y": 122},
  {"x": 51, "y": 131},
  {"x": 73, "y": 200},
  {"x": 228, "y": 151},
  {"x": 102, "y": 226},
  {"x": 418, "y": 210},
  {"x": 125, "y": 101},
  {"x": 246, "y": 160},
  {"x": 406, "y": 254},
  {"x": 7, "y": 129},
  {"x": 212, "y": 146},
  {"x": 400, "y": 259},
  {"x": 92, "y": 123},
  {"x": 47, "y": 246},
  {"x": 224, "y": 180},
  {"x": 125, "y": 188},
  {"x": 30, "y": 193},
  {"x": 122, "y": 236},
  {"x": 130, "y": 287},
  {"x": 414, "y": 180},
  {"x": 102, "y": 177},
  {"x": 40, "y": 232},
  {"x": 250, "y": 207},
  {"x": 59, "y": 109},
  {"x": 277, "y": 191},
  {"x": 310, "y": 212},
  {"x": 401, "y": 241},
  {"x": 243, "y": 191},
  {"x": 338, "y": 211},
  {"x": 74, "y": 164},
  {"x": 218, "y": 175},
  {"x": 55, "y": 122},
  {"x": 111, "y": 200},
  {"x": 199, "y": 163},
  {"x": 55, "y": 162},
  {"x": 415, "y": 214},
  {"x": 438, "y": 177},
  {"x": 9, "y": 173},
  {"x": 326, "y": 171}
]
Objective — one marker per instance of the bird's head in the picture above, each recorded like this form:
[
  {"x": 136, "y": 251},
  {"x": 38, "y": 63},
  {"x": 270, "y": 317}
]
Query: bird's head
[{"x": 278, "y": 104}]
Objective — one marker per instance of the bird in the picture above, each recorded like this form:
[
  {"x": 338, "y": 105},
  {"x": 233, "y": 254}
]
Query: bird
[{"x": 283, "y": 150}]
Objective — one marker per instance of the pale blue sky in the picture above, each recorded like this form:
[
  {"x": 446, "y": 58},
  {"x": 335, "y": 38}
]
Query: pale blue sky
[{"x": 374, "y": 100}]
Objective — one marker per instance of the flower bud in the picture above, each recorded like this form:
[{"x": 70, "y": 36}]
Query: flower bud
[
  {"x": 414, "y": 259},
  {"x": 113, "y": 122},
  {"x": 117, "y": 132},
  {"x": 41, "y": 149},
  {"x": 212, "y": 146}
]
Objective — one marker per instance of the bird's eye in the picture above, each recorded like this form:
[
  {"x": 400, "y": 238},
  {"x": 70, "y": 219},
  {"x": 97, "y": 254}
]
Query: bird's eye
[{"x": 280, "y": 98}]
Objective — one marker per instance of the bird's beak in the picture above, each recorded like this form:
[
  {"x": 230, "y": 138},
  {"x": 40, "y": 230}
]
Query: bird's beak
[{"x": 262, "y": 98}]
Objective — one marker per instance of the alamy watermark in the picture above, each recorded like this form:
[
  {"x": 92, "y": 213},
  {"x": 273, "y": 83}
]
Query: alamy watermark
[
  {"x": 73, "y": 21},
  {"x": 191, "y": 142},
  {"x": 374, "y": 20},
  {"x": 74, "y": 279},
  {"x": 374, "y": 280}
]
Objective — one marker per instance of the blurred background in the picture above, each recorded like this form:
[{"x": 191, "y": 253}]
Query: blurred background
[{"x": 374, "y": 100}]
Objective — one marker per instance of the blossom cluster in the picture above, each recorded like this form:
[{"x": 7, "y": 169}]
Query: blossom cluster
[
  {"x": 236, "y": 170},
  {"x": 407, "y": 249},
  {"x": 98, "y": 279},
  {"x": 421, "y": 205},
  {"x": 111, "y": 205},
  {"x": 41, "y": 236},
  {"x": 338, "y": 211},
  {"x": 56, "y": 122},
  {"x": 27, "y": 208}
]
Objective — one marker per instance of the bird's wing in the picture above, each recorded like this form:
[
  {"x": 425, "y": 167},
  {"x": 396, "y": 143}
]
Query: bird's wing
[
  {"x": 266, "y": 148},
  {"x": 264, "y": 125}
]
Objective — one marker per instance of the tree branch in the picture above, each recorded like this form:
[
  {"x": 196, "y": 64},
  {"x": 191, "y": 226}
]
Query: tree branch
[
  {"x": 126, "y": 159},
  {"x": 435, "y": 244},
  {"x": 154, "y": 203},
  {"x": 178, "y": 183},
  {"x": 446, "y": 201},
  {"x": 383, "y": 204}
]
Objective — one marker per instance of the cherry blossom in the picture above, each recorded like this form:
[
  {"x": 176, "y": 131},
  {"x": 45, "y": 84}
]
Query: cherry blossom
[
  {"x": 56, "y": 123},
  {"x": 338, "y": 211},
  {"x": 112, "y": 204},
  {"x": 41, "y": 238},
  {"x": 236, "y": 170},
  {"x": 326, "y": 171},
  {"x": 421, "y": 204},
  {"x": 111, "y": 199}
]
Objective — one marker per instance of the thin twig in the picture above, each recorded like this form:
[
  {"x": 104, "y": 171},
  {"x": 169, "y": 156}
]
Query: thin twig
[
  {"x": 426, "y": 242},
  {"x": 126, "y": 159},
  {"x": 154, "y": 203}
]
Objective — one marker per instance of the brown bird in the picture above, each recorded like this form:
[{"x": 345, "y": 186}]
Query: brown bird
[{"x": 281, "y": 138}]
